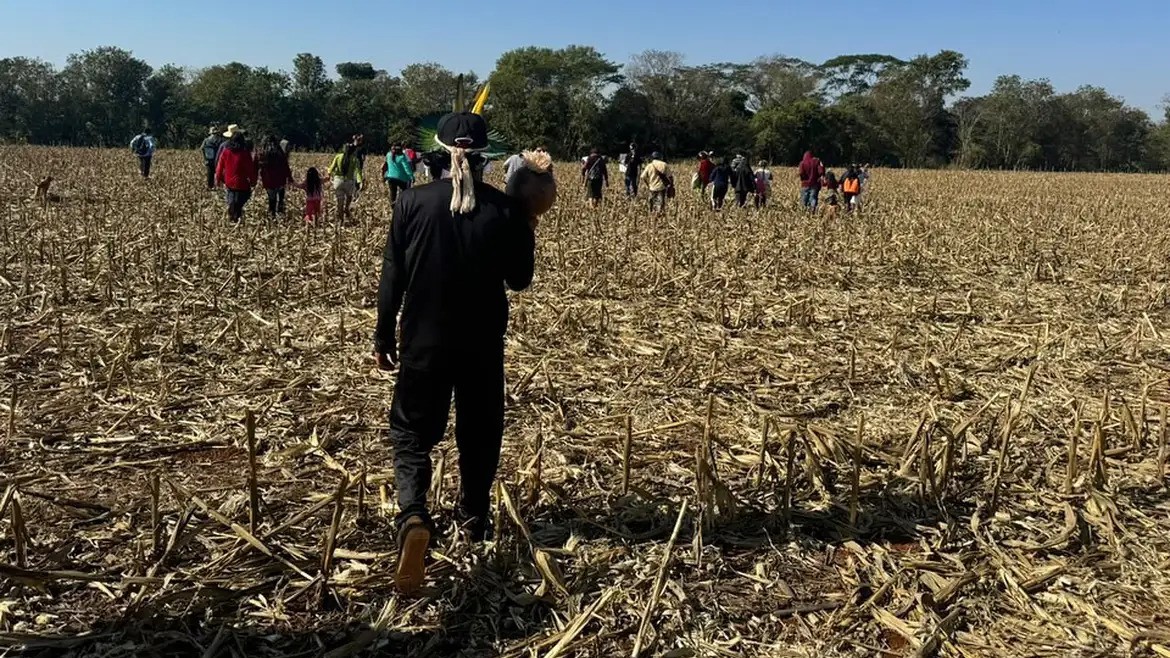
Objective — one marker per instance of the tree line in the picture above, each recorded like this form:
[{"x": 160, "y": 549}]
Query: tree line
[{"x": 866, "y": 108}]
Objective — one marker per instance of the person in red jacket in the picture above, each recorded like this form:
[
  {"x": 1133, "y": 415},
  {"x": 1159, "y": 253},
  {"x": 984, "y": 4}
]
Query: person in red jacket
[
  {"x": 236, "y": 171},
  {"x": 275, "y": 174},
  {"x": 811, "y": 171},
  {"x": 705, "y": 169}
]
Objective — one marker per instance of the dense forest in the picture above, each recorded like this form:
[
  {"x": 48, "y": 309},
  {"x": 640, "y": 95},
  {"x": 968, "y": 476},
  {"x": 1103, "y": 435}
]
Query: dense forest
[{"x": 872, "y": 108}]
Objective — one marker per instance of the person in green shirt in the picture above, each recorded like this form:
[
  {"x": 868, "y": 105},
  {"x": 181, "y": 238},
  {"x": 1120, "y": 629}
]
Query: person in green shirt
[{"x": 346, "y": 173}]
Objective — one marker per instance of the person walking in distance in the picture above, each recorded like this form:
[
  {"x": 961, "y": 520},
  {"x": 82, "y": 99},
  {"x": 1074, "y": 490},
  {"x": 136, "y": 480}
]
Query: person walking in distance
[
  {"x": 143, "y": 146},
  {"x": 851, "y": 188},
  {"x": 275, "y": 173},
  {"x": 236, "y": 171},
  {"x": 595, "y": 175},
  {"x": 453, "y": 247},
  {"x": 399, "y": 172},
  {"x": 720, "y": 183},
  {"x": 763, "y": 184},
  {"x": 706, "y": 167},
  {"x": 346, "y": 173},
  {"x": 810, "y": 172},
  {"x": 658, "y": 179},
  {"x": 633, "y": 166},
  {"x": 743, "y": 180},
  {"x": 210, "y": 150}
]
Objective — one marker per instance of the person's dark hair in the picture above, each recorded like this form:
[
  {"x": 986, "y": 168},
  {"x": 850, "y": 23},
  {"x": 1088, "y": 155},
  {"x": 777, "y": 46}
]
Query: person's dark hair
[
  {"x": 347, "y": 154},
  {"x": 727, "y": 161},
  {"x": 312, "y": 181},
  {"x": 831, "y": 178},
  {"x": 146, "y": 131},
  {"x": 270, "y": 150}
]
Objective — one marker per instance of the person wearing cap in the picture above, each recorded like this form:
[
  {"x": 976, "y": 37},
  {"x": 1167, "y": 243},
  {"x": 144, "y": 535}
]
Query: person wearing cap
[
  {"x": 210, "y": 150},
  {"x": 236, "y": 171},
  {"x": 453, "y": 248},
  {"x": 659, "y": 181}
]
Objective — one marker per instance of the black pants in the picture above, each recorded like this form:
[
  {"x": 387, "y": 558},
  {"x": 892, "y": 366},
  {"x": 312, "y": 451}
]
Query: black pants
[
  {"x": 741, "y": 198},
  {"x": 210, "y": 174},
  {"x": 144, "y": 165},
  {"x": 718, "y": 194},
  {"x": 632, "y": 185},
  {"x": 275, "y": 200},
  {"x": 418, "y": 419},
  {"x": 395, "y": 186}
]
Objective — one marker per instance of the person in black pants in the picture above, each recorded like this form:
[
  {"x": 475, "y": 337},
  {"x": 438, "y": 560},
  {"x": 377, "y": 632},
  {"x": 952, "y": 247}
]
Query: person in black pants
[{"x": 453, "y": 246}]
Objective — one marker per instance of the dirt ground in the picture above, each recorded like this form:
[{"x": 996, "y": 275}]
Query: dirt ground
[{"x": 937, "y": 427}]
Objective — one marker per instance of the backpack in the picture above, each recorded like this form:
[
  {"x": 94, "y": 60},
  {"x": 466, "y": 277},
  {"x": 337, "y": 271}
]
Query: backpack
[
  {"x": 139, "y": 145},
  {"x": 210, "y": 148},
  {"x": 596, "y": 171}
]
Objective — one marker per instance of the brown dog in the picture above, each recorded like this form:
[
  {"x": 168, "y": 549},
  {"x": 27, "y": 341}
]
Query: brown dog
[{"x": 42, "y": 194}]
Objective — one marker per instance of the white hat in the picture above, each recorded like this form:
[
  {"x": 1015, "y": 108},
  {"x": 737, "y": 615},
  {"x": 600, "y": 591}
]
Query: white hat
[{"x": 233, "y": 130}]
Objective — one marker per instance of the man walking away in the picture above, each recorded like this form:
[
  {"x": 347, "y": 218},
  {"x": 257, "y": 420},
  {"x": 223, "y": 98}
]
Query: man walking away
[
  {"x": 210, "y": 150},
  {"x": 810, "y": 172},
  {"x": 452, "y": 247},
  {"x": 143, "y": 146},
  {"x": 633, "y": 166},
  {"x": 595, "y": 174},
  {"x": 659, "y": 181},
  {"x": 743, "y": 180}
]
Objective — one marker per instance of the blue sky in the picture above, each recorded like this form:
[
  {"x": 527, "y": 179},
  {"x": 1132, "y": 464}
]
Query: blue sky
[{"x": 1124, "y": 48}]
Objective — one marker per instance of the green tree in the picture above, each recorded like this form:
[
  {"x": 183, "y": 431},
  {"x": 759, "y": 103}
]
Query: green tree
[
  {"x": 310, "y": 96},
  {"x": 910, "y": 103},
  {"x": 530, "y": 82},
  {"x": 430, "y": 88},
  {"x": 236, "y": 93},
  {"x": 104, "y": 92},
  {"x": 29, "y": 101},
  {"x": 356, "y": 71}
]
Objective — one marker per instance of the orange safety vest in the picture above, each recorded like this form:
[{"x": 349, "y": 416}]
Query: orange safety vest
[{"x": 852, "y": 186}]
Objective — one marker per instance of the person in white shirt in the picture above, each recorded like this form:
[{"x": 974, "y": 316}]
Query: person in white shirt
[{"x": 763, "y": 184}]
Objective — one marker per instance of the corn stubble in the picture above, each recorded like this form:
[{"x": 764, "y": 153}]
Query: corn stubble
[{"x": 938, "y": 428}]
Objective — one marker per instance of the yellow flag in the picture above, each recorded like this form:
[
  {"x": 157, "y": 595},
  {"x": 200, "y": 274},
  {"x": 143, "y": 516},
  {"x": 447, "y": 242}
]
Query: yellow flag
[{"x": 481, "y": 98}]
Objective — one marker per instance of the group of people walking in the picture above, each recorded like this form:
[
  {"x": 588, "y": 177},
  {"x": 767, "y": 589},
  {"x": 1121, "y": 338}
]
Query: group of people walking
[
  {"x": 717, "y": 180},
  {"x": 814, "y": 179}
]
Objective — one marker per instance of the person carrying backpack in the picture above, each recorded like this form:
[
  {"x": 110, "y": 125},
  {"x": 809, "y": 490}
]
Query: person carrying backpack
[
  {"x": 851, "y": 188},
  {"x": 743, "y": 180},
  {"x": 143, "y": 146},
  {"x": 595, "y": 173},
  {"x": 659, "y": 181},
  {"x": 210, "y": 149}
]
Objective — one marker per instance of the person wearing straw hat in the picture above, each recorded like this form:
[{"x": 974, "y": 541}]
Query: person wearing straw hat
[
  {"x": 210, "y": 150},
  {"x": 236, "y": 171},
  {"x": 453, "y": 248}
]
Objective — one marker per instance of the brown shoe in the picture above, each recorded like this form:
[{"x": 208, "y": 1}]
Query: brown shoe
[{"x": 416, "y": 539}]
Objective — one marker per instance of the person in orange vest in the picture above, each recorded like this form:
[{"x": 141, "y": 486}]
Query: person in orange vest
[{"x": 851, "y": 188}]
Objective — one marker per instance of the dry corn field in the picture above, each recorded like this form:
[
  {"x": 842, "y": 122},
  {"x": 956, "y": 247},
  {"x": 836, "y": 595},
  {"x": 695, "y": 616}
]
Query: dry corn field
[{"x": 938, "y": 428}]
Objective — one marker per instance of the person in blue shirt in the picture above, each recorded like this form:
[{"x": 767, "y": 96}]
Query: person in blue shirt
[
  {"x": 143, "y": 146},
  {"x": 720, "y": 183},
  {"x": 398, "y": 171}
]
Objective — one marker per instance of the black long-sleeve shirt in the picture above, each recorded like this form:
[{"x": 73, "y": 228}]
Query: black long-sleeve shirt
[{"x": 447, "y": 272}]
